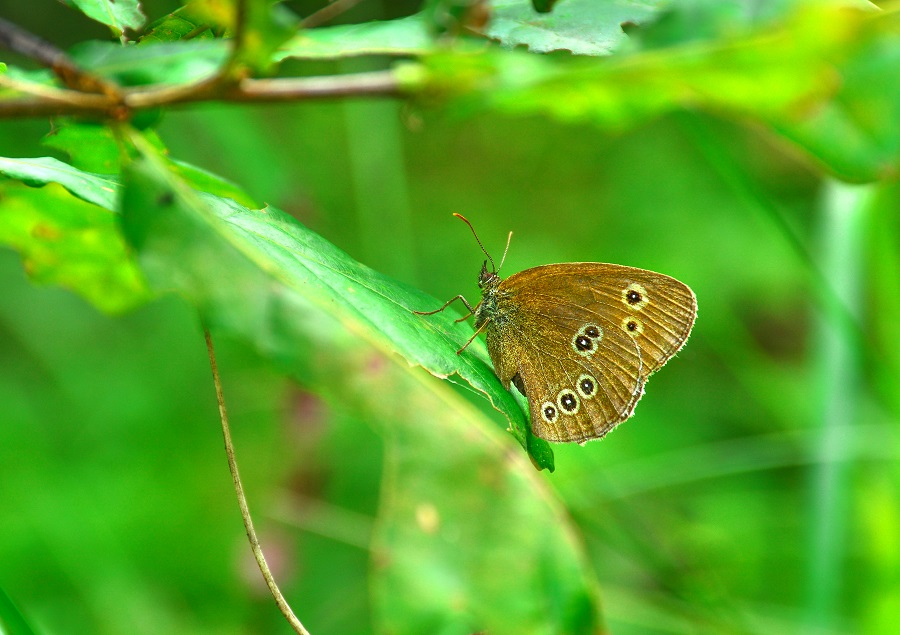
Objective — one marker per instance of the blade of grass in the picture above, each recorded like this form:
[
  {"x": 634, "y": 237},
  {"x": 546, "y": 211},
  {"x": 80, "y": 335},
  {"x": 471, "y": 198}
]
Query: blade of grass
[
  {"x": 255, "y": 547},
  {"x": 843, "y": 211}
]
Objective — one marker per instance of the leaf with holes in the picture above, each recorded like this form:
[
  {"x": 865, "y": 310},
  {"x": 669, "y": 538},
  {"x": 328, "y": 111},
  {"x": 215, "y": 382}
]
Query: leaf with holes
[{"x": 584, "y": 27}]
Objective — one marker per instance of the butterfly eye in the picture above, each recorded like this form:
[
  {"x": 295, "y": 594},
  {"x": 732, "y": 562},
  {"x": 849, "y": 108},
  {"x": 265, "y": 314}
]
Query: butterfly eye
[
  {"x": 633, "y": 326},
  {"x": 568, "y": 401},
  {"x": 586, "y": 386},
  {"x": 635, "y": 296},
  {"x": 549, "y": 412},
  {"x": 585, "y": 341}
]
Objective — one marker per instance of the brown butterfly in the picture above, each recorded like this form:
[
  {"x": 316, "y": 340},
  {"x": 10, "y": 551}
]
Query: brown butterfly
[{"x": 579, "y": 339}]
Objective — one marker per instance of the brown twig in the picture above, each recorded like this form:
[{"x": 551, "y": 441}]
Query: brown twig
[
  {"x": 88, "y": 95},
  {"x": 328, "y": 12},
  {"x": 242, "y": 500},
  {"x": 370, "y": 84},
  {"x": 16, "y": 39},
  {"x": 44, "y": 101}
]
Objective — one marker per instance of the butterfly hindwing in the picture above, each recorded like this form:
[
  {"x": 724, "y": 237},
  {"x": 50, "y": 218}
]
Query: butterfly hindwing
[{"x": 583, "y": 396}]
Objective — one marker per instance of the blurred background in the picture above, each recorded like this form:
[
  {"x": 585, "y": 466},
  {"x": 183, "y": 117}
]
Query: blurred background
[{"x": 754, "y": 491}]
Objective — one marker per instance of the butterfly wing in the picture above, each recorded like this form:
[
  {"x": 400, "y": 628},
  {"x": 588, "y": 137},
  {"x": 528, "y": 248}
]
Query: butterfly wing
[{"x": 579, "y": 340}]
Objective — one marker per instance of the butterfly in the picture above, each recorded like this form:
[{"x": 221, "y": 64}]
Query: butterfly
[{"x": 579, "y": 340}]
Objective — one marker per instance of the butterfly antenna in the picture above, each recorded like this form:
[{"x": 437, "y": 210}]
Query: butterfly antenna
[
  {"x": 503, "y": 259},
  {"x": 466, "y": 221}
]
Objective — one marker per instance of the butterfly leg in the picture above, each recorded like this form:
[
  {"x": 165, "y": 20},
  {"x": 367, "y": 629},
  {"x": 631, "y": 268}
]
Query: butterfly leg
[
  {"x": 474, "y": 335},
  {"x": 448, "y": 303}
]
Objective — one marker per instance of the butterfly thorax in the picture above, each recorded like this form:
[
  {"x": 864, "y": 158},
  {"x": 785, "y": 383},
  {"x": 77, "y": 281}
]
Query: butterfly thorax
[{"x": 489, "y": 283}]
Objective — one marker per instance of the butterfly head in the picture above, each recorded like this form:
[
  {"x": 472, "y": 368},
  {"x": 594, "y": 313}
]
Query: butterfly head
[
  {"x": 487, "y": 278},
  {"x": 488, "y": 281}
]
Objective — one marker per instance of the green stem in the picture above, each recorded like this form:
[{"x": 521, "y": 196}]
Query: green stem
[{"x": 843, "y": 210}]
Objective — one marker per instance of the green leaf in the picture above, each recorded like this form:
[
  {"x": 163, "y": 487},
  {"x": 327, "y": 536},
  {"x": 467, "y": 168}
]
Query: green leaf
[
  {"x": 825, "y": 81},
  {"x": 74, "y": 244},
  {"x": 82, "y": 141},
  {"x": 453, "y": 17},
  {"x": 206, "y": 181},
  {"x": 177, "y": 25},
  {"x": 91, "y": 147},
  {"x": 543, "y": 6},
  {"x": 405, "y": 36},
  {"x": 99, "y": 189},
  {"x": 12, "y": 622},
  {"x": 302, "y": 266},
  {"x": 70, "y": 243},
  {"x": 156, "y": 63},
  {"x": 117, "y": 14},
  {"x": 694, "y": 20},
  {"x": 39, "y": 76},
  {"x": 584, "y": 27},
  {"x": 267, "y": 25},
  {"x": 854, "y": 132},
  {"x": 465, "y": 544},
  {"x": 580, "y": 26},
  {"x": 379, "y": 304}
]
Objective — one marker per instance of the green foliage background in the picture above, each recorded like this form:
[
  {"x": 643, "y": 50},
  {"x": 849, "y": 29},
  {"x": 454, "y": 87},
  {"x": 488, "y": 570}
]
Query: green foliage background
[{"x": 749, "y": 149}]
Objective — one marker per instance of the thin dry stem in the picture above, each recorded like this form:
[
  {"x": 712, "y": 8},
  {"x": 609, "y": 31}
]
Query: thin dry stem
[
  {"x": 242, "y": 500},
  {"x": 328, "y": 13},
  {"x": 15, "y": 38}
]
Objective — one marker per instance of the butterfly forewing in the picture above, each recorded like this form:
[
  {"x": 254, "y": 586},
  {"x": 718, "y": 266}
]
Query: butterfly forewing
[
  {"x": 580, "y": 340},
  {"x": 656, "y": 310}
]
